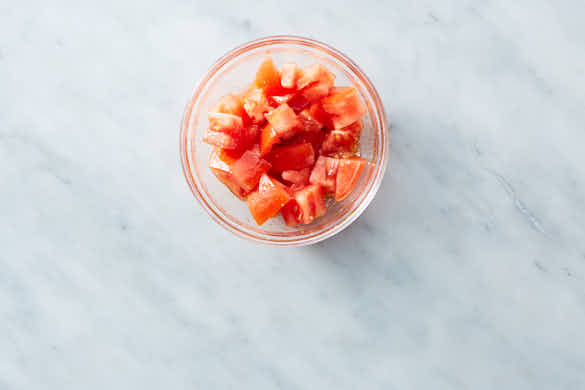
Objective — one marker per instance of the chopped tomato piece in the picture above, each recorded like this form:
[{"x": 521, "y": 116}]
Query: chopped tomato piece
[
  {"x": 268, "y": 77},
  {"x": 283, "y": 120},
  {"x": 228, "y": 156},
  {"x": 222, "y": 170},
  {"x": 298, "y": 102},
  {"x": 248, "y": 169},
  {"x": 229, "y": 104},
  {"x": 291, "y": 213},
  {"x": 310, "y": 124},
  {"x": 343, "y": 142},
  {"x": 324, "y": 173},
  {"x": 314, "y": 74},
  {"x": 267, "y": 201},
  {"x": 345, "y": 106},
  {"x": 225, "y": 123},
  {"x": 221, "y": 140},
  {"x": 299, "y": 177},
  {"x": 291, "y": 157},
  {"x": 316, "y": 91},
  {"x": 289, "y": 75},
  {"x": 348, "y": 174},
  {"x": 256, "y": 104},
  {"x": 311, "y": 202},
  {"x": 268, "y": 138},
  {"x": 315, "y": 138}
]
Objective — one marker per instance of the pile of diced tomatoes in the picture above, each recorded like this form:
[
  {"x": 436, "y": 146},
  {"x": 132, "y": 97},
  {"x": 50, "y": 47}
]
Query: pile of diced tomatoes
[{"x": 288, "y": 142}]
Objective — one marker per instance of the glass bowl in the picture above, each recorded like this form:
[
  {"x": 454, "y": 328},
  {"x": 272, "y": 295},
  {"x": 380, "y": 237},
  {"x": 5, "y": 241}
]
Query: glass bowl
[{"x": 231, "y": 74}]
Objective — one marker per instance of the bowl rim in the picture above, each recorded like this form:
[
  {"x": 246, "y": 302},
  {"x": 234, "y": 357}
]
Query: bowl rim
[{"x": 380, "y": 115}]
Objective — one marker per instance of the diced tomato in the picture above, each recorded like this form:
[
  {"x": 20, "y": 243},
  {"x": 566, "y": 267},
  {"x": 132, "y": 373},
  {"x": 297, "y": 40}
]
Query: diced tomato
[
  {"x": 314, "y": 138},
  {"x": 345, "y": 106},
  {"x": 291, "y": 157},
  {"x": 222, "y": 170},
  {"x": 316, "y": 91},
  {"x": 309, "y": 123},
  {"x": 268, "y": 138},
  {"x": 229, "y": 104},
  {"x": 348, "y": 174},
  {"x": 289, "y": 75},
  {"x": 299, "y": 177},
  {"x": 298, "y": 102},
  {"x": 324, "y": 173},
  {"x": 256, "y": 104},
  {"x": 311, "y": 202},
  {"x": 228, "y": 156},
  {"x": 221, "y": 140},
  {"x": 268, "y": 78},
  {"x": 314, "y": 74},
  {"x": 284, "y": 121},
  {"x": 248, "y": 169},
  {"x": 267, "y": 201},
  {"x": 343, "y": 142},
  {"x": 291, "y": 213},
  {"x": 225, "y": 123}
]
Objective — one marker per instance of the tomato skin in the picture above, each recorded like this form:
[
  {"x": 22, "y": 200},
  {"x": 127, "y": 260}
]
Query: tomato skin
[
  {"x": 324, "y": 173},
  {"x": 291, "y": 157},
  {"x": 283, "y": 120},
  {"x": 345, "y": 106},
  {"x": 222, "y": 170},
  {"x": 311, "y": 202},
  {"x": 348, "y": 174},
  {"x": 248, "y": 169},
  {"x": 268, "y": 78},
  {"x": 268, "y": 200}
]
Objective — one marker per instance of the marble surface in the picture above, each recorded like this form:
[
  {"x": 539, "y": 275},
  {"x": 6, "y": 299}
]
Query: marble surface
[{"x": 466, "y": 272}]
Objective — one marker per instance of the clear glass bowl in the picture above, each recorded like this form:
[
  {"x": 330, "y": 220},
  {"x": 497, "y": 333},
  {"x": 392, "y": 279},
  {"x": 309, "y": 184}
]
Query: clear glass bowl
[{"x": 231, "y": 74}]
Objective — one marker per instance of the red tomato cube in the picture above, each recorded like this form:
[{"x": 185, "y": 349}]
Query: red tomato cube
[
  {"x": 221, "y": 140},
  {"x": 299, "y": 177},
  {"x": 291, "y": 157},
  {"x": 268, "y": 200},
  {"x": 283, "y": 120},
  {"x": 298, "y": 102},
  {"x": 225, "y": 123},
  {"x": 289, "y": 75},
  {"x": 256, "y": 104},
  {"x": 268, "y": 78},
  {"x": 343, "y": 142},
  {"x": 248, "y": 169},
  {"x": 223, "y": 172},
  {"x": 324, "y": 173},
  {"x": 268, "y": 138},
  {"x": 348, "y": 174},
  {"x": 291, "y": 213},
  {"x": 345, "y": 106},
  {"x": 311, "y": 202},
  {"x": 229, "y": 104},
  {"x": 314, "y": 74}
]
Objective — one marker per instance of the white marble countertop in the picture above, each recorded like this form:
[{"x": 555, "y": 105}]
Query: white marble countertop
[{"x": 466, "y": 272}]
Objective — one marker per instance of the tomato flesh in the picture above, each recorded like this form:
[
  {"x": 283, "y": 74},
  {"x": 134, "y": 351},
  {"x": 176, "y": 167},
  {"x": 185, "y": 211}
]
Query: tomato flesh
[
  {"x": 268, "y": 200},
  {"x": 311, "y": 202},
  {"x": 248, "y": 169},
  {"x": 268, "y": 138},
  {"x": 345, "y": 106},
  {"x": 268, "y": 78},
  {"x": 256, "y": 104},
  {"x": 324, "y": 173},
  {"x": 289, "y": 75},
  {"x": 222, "y": 170},
  {"x": 291, "y": 157},
  {"x": 299, "y": 177},
  {"x": 283, "y": 120},
  {"x": 348, "y": 174},
  {"x": 229, "y": 104}
]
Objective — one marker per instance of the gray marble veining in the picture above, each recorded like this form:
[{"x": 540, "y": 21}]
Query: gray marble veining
[{"x": 466, "y": 272}]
